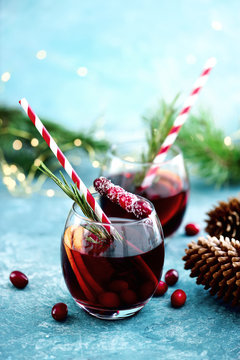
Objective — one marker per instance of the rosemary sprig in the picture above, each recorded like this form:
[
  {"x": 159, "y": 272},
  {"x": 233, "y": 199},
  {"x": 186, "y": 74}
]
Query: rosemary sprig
[{"x": 74, "y": 194}]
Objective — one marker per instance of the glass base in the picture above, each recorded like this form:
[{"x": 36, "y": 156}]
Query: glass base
[{"x": 110, "y": 314}]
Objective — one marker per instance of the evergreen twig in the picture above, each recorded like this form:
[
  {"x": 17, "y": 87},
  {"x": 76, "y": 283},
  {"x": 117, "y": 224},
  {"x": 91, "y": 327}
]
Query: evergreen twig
[{"x": 202, "y": 143}]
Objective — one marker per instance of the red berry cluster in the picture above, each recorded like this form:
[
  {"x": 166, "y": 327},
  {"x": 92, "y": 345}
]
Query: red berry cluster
[
  {"x": 178, "y": 297},
  {"x": 128, "y": 201}
]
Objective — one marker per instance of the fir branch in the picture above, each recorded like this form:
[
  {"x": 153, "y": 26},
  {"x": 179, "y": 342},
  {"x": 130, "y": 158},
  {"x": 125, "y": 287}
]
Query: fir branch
[
  {"x": 204, "y": 147},
  {"x": 200, "y": 140},
  {"x": 15, "y": 125},
  {"x": 158, "y": 125}
]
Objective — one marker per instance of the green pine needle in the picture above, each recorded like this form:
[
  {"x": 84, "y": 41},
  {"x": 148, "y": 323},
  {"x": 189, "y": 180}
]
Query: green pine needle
[{"x": 202, "y": 143}]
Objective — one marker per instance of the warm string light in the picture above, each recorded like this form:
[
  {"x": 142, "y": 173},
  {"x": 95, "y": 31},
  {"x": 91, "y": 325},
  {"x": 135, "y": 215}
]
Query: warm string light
[
  {"x": 77, "y": 142},
  {"x": 34, "y": 142},
  {"x": 9, "y": 182},
  {"x": 17, "y": 145},
  {"x": 82, "y": 71},
  {"x": 13, "y": 168},
  {"x": 95, "y": 164},
  {"x": 37, "y": 162},
  {"x": 41, "y": 54},
  {"x": 6, "y": 170},
  {"x": 21, "y": 177},
  {"x": 50, "y": 192},
  {"x": 5, "y": 76}
]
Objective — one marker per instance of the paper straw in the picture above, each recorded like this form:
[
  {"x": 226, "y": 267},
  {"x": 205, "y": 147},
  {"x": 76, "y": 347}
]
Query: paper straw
[
  {"x": 180, "y": 120},
  {"x": 64, "y": 162}
]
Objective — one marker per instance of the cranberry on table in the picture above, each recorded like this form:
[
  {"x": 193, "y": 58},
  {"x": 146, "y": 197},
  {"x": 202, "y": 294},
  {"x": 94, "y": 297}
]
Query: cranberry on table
[
  {"x": 192, "y": 229},
  {"x": 171, "y": 277},
  {"x": 59, "y": 311},
  {"x": 178, "y": 298},
  {"x": 18, "y": 279},
  {"x": 161, "y": 289}
]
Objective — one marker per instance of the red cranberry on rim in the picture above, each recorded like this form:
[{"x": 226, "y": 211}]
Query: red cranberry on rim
[
  {"x": 178, "y": 298},
  {"x": 161, "y": 289},
  {"x": 101, "y": 185},
  {"x": 114, "y": 193},
  {"x": 18, "y": 279},
  {"x": 171, "y": 277},
  {"x": 126, "y": 201},
  {"x": 59, "y": 311},
  {"x": 141, "y": 209}
]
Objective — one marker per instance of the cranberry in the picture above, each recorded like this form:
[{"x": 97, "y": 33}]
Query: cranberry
[
  {"x": 18, "y": 279},
  {"x": 109, "y": 299},
  {"x": 126, "y": 201},
  {"x": 114, "y": 192},
  {"x": 141, "y": 209},
  {"x": 192, "y": 229},
  {"x": 129, "y": 297},
  {"x": 161, "y": 289},
  {"x": 118, "y": 285},
  {"x": 59, "y": 311},
  {"x": 101, "y": 185},
  {"x": 171, "y": 277},
  {"x": 178, "y": 298}
]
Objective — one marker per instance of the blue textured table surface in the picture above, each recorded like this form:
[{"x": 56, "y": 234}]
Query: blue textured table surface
[{"x": 29, "y": 241}]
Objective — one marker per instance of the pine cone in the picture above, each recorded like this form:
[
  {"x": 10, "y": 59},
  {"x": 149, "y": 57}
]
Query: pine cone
[
  {"x": 225, "y": 219},
  {"x": 216, "y": 264}
]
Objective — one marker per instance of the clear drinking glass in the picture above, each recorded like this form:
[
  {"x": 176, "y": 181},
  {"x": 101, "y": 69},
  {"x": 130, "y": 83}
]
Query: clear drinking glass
[
  {"x": 169, "y": 190},
  {"x": 112, "y": 276}
]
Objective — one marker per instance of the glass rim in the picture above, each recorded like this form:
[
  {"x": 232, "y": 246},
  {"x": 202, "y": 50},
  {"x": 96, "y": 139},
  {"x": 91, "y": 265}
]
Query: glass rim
[
  {"x": 122, "y": 143},
  {"x": 122, "y": 221}
]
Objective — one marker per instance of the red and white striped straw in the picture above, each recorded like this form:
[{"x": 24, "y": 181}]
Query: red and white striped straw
[
  {"x": 64, "y": 162},
  {"x": 180, "y": 120}
]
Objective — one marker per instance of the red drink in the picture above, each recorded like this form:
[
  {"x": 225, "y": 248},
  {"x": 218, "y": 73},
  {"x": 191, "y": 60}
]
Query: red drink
[
  {"x": 112, "y": 270},
  {"x": 169, "y": 196},
  {"x": 122, "y": 282}
]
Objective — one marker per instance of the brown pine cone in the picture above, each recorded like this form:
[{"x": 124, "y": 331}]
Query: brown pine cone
[
  {"x": 216, "y": 264},
  {"x": 224, "y": 219}
]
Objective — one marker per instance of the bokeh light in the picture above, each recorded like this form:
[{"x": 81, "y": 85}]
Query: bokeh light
[
  {"x": 41, "y": 54},
  {"x": 5, "y": 76},
  {"x": 17, "y": 145}
]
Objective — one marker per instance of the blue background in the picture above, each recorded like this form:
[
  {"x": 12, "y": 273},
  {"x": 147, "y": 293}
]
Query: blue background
[{"x": 135, "y": 52}]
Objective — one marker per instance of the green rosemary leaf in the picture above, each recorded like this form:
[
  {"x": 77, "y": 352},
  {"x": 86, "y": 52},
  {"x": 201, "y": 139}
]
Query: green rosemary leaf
[{"x": 75, "y": 195}]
